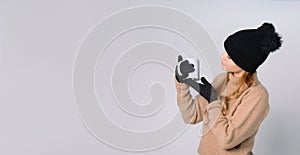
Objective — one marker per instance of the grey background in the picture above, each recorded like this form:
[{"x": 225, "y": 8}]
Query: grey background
[{"x": 38, "y": 44}]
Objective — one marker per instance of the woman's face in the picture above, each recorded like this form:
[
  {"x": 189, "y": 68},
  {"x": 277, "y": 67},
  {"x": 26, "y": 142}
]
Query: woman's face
[{"x": 228, "y": 65}]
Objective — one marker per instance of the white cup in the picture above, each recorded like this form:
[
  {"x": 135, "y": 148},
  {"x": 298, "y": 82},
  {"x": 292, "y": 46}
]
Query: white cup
[{"x": 194, "y": 75}]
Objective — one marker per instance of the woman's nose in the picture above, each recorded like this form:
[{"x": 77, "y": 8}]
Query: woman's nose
[{"x": 223, "y": 55}]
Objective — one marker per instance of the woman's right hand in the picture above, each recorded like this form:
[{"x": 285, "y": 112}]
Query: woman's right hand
[{"x": 183, "y": 68}]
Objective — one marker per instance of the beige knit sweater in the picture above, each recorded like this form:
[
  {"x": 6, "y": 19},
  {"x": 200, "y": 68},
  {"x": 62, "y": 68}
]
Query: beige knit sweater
[{"x": 234, "y": 133}]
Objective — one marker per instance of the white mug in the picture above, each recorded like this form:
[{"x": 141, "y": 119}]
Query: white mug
[{"x": 194, "y": 75}]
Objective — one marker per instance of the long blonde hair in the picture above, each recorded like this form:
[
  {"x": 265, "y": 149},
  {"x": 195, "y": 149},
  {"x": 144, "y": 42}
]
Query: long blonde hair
[{"x": 247, "y": 80}]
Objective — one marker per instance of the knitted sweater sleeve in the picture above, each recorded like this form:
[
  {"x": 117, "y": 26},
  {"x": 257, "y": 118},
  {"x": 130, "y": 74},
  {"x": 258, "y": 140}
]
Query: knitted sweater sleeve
[
  {"x": 192, "y": 110},
  {"x": 232, "y": 130}
]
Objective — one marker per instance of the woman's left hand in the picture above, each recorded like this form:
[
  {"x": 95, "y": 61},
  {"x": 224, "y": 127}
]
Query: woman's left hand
[{"x": 206, "y": 89}]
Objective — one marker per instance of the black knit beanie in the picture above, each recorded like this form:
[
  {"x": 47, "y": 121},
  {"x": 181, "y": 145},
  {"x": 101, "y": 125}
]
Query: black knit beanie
[{"x": 249, "y": 48}]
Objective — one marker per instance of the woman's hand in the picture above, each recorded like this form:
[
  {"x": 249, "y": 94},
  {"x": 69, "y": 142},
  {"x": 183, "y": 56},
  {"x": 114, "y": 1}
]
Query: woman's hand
[
  {"x": 183, "y": 69},
  {"x": 206, "y": 89}
]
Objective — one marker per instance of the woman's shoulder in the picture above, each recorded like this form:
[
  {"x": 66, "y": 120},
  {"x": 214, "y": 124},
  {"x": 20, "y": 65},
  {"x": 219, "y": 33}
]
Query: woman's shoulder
[
  {"x": 219, "y": 80},
  {"x": 258, "y": 90},
  {"x": 220, "y": 77}
]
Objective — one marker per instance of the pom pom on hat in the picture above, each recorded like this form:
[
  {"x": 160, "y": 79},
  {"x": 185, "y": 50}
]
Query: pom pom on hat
[
  {"x": 249, "y": 48},
  {"x": 272, "y": 42},
  {"x": 267, "y": 28}
]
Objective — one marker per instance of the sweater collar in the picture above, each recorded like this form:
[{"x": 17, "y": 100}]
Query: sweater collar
[{"x": 233, "y": 83}]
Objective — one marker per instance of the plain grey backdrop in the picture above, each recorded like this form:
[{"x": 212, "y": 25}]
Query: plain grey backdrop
[{"x": 39, "y": 41}]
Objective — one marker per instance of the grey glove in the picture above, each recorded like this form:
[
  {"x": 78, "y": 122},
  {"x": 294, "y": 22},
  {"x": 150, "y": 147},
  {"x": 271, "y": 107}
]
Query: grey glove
[
  {"x": 183, "y": 69},
  {"x": 206, "y": 89}
]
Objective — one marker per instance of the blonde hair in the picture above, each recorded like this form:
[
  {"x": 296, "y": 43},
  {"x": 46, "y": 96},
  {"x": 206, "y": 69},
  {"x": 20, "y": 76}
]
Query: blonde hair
[{"x": 247, "y": 80}]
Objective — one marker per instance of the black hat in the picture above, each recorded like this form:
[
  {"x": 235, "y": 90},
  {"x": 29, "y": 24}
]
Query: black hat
[{"x": 249, "y": 48}]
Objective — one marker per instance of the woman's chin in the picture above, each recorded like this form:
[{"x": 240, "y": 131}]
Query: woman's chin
[{"x": 224, "y": 68}]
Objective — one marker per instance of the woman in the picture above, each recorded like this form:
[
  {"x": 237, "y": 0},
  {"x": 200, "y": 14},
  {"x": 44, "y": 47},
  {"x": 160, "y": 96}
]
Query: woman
[{"x": 234, "y": 105}]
